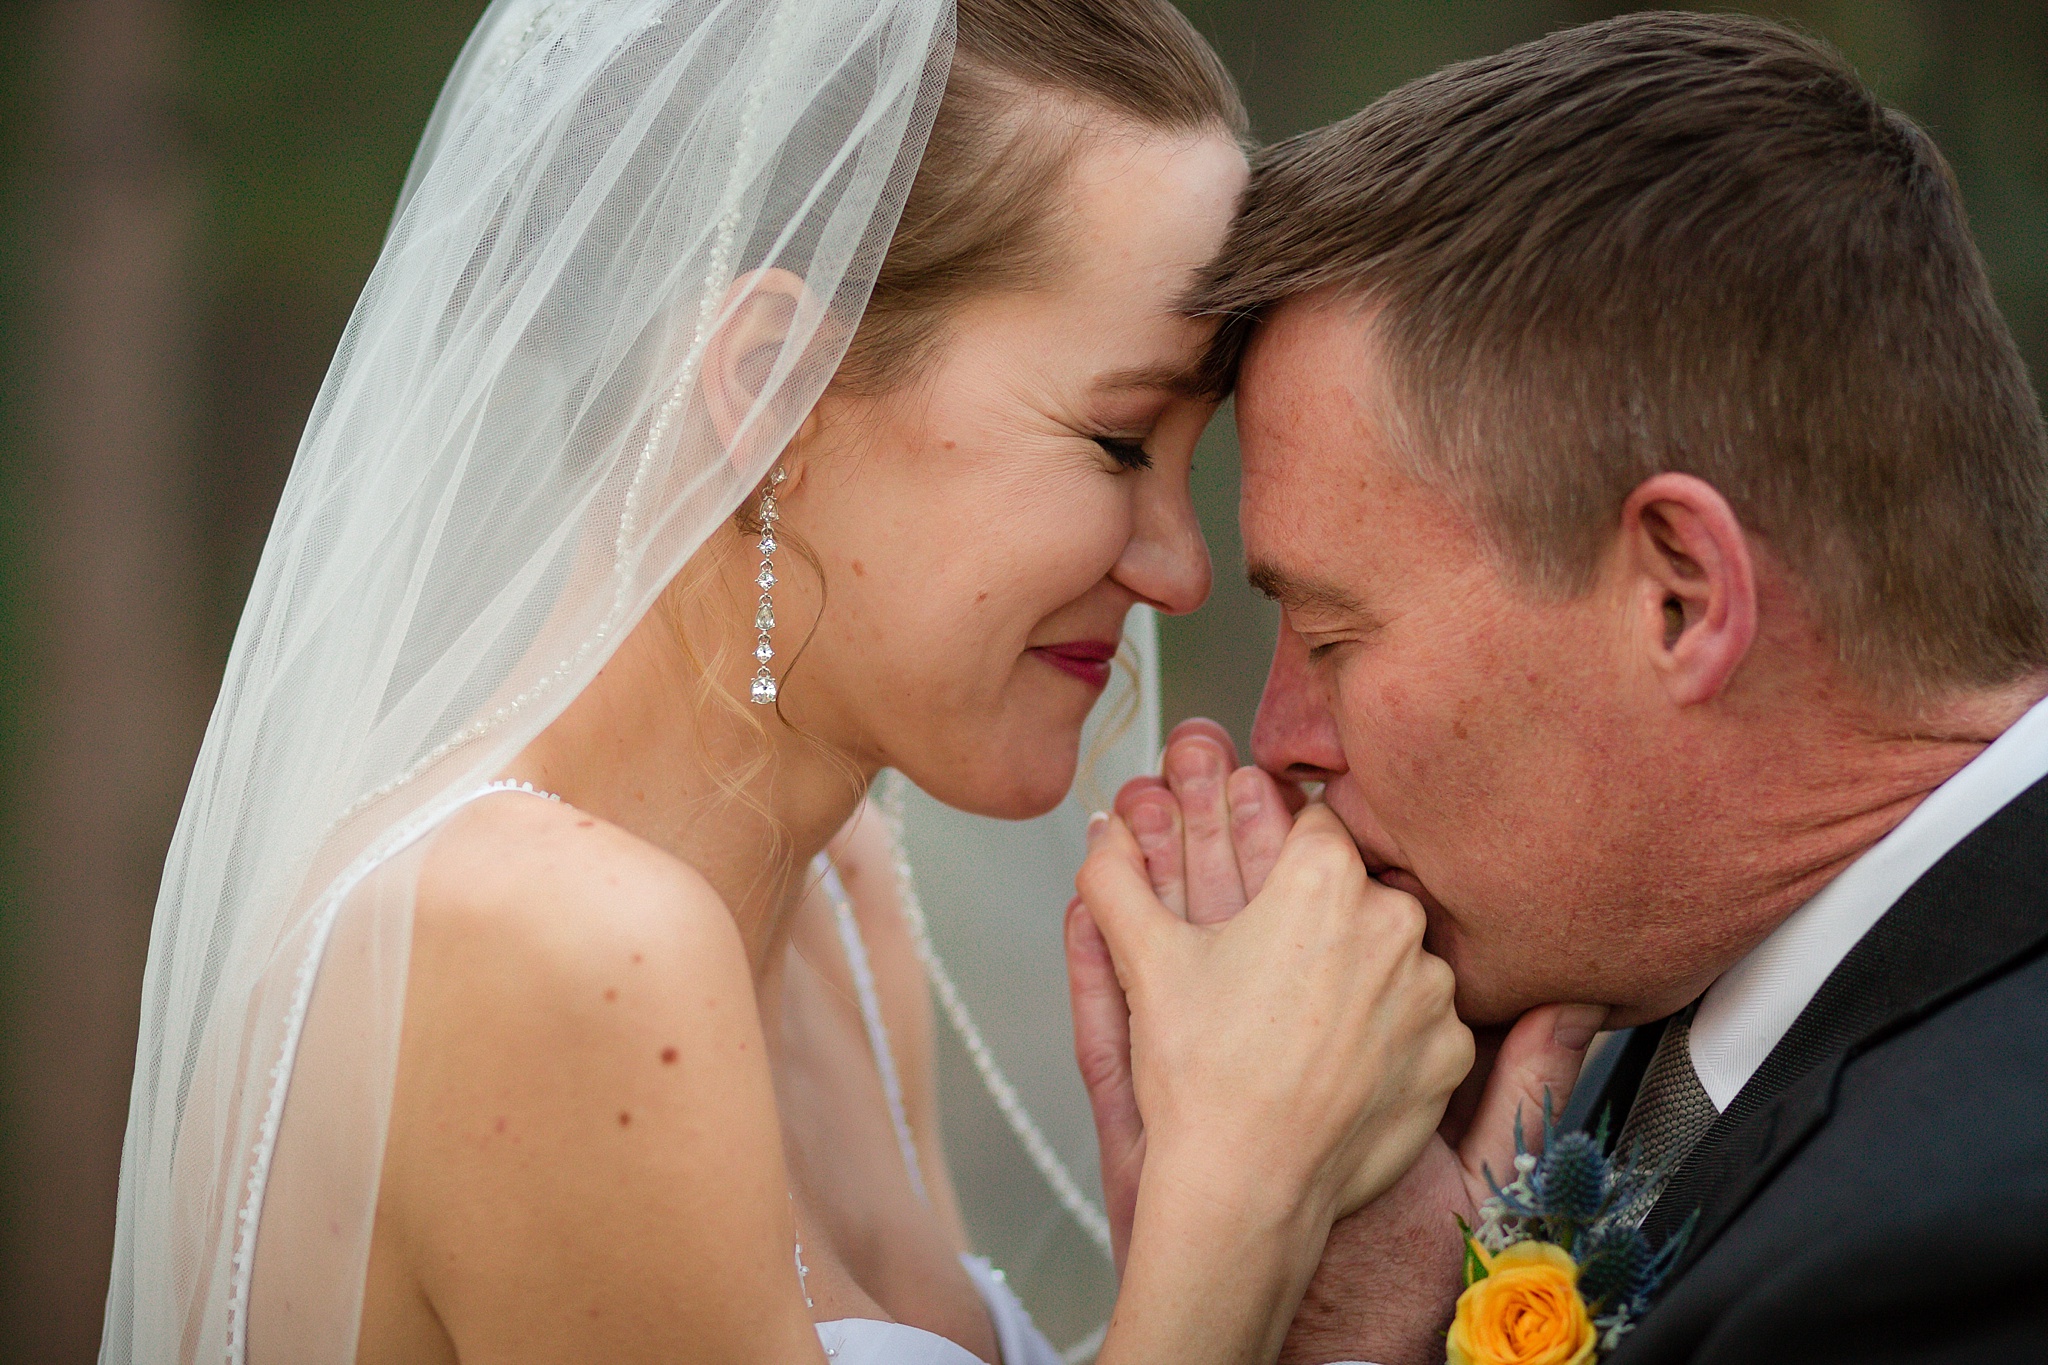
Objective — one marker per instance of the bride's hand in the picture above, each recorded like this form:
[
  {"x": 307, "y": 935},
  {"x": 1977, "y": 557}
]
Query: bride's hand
[
  {"x": 1308, "y": 1042},
  {"x": 1288, "y": 1063},
  {"x": 1210, "y": 837}
]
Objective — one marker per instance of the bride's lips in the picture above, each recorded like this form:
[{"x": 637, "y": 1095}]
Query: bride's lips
[{"x": 1087, "y": 660}]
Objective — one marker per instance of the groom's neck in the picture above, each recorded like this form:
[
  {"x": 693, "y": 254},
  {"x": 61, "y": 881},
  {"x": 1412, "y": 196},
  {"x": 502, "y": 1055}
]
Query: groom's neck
[{"x": 1807, "y": 796}]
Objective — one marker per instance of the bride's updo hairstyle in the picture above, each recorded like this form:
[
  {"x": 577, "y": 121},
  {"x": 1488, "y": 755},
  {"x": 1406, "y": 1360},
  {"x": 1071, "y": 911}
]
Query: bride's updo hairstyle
[
  {"x": 984, "y": 213},
  {"x": 1031, "y": 82}
]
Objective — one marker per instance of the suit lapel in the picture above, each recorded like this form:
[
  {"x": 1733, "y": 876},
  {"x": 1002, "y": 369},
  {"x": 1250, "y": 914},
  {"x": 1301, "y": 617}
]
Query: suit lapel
[{"x": 1983, "y": 907}]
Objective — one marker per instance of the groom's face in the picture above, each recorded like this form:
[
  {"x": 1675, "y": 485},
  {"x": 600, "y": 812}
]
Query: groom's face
[{"x": 1485, "y": 744}]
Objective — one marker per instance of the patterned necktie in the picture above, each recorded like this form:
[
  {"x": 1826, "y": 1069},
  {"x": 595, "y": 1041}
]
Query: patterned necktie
[{"x": 1671, "y": 1111}]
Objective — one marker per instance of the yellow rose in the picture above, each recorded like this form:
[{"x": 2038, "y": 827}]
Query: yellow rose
[{"x": 1527, "y": 1311}]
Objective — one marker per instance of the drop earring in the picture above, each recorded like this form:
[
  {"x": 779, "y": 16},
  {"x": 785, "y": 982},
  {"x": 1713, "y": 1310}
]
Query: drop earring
[{"x": 764, "y": 615}]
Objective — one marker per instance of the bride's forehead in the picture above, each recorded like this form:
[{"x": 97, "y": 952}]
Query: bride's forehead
[{"x": 1145, "y": 210}]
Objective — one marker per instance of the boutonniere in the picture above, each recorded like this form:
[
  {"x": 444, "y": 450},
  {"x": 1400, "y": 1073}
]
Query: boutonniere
[{"x": 1558, "y": 1270}]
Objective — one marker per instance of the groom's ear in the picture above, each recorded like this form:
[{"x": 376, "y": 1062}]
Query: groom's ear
[{"x": 1692, "y": 582}]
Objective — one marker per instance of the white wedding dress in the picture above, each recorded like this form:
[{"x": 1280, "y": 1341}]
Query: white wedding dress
[{"x": 865, "y": 1341}]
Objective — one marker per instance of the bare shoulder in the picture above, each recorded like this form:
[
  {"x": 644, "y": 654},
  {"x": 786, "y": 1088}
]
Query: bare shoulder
[
  {"x": 518, "y": 873},
  {"x": 584, "y": 1100}
]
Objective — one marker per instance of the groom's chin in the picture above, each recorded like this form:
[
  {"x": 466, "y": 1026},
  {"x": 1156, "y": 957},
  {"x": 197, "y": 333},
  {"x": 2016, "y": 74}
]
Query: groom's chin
[{"x": 1490, "y": 992}]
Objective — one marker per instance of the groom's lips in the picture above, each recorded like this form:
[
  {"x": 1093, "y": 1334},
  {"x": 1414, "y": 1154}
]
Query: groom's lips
[
  {"x": 1087, "y": 660},
  {"x": 1401, "y": 879}
]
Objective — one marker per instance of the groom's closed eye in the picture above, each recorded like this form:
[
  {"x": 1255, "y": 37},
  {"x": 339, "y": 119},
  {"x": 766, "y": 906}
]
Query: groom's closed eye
[{"x": 1321, "y": 613}]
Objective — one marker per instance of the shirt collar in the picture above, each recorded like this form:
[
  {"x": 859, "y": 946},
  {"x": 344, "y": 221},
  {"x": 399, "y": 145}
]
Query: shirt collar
[{"x": 1747, "y": 1011}]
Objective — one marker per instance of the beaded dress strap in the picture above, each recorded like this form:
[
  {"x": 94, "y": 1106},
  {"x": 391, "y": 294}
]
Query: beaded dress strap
[{"x": 506, "y": 784}]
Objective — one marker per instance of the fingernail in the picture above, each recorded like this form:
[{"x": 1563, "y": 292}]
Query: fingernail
[
  {"x": 1151, "y": 823},
  {"x": 1196, "y": 761},
  {"x": 1247, "y": 795},
  {"x": 1576, "y": 1025},
  {"x": 1097, "y": 823}
]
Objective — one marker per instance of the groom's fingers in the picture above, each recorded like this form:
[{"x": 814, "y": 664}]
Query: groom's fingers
[
  {"x": 1114, "y": 883},
  {"x": 1153, "y": 816},
  {"x": 1197, "y": 768},
  {"x": 1202, "y": 725},
  {"x": 1259, "y": 821},
  {"x": 1539, "y": 1058},
  {"x": 1128, "y": 792},
  {"x": 1102, "y": 1048}
]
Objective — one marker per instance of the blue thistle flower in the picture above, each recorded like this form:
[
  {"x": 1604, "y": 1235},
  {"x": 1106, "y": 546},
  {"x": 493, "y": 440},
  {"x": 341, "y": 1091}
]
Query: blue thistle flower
[
  {"x": 1614, "y": 1265},
  {"x": 1569, "y": 1183}
]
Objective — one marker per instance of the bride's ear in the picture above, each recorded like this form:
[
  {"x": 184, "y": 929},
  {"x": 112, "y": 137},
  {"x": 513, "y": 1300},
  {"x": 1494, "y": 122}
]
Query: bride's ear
[{"x": 765, "y": 314}]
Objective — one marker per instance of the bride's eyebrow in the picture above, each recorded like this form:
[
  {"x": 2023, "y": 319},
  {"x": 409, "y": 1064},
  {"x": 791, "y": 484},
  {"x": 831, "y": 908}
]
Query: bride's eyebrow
[{"x": 1182, "y": 380}]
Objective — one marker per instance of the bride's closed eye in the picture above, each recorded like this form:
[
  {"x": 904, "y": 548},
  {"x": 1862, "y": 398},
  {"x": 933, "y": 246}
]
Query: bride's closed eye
[{"x": 1128, "y": 453}]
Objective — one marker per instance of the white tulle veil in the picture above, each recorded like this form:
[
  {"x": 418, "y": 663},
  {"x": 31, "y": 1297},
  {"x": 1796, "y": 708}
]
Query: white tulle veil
[{"x": 507, "y": 463}]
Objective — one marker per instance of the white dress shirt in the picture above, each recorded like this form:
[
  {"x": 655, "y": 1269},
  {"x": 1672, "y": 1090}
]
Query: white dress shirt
[{"x": 1748, "y": 1010}]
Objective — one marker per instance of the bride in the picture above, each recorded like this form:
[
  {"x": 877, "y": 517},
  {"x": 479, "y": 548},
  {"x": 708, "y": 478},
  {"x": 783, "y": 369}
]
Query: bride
[{"x": 752, "y": 395}]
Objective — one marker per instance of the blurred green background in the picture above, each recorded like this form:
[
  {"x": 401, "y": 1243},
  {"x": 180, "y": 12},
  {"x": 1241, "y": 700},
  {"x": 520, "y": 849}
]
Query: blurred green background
[{"x": 191, "y": 193}]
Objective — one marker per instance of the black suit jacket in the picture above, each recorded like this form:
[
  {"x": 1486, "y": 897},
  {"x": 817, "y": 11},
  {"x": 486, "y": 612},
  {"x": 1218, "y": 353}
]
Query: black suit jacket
[{"x": 1878, "y": 1192}]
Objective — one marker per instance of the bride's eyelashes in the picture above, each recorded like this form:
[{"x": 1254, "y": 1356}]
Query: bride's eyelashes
[{"x": 1128, "y": 453}]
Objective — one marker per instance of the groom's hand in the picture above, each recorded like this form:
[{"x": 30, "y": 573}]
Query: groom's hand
[{"x": 1392, "y": 1271}]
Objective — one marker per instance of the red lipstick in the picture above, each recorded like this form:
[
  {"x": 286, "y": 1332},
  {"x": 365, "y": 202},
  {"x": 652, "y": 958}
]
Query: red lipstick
[{"x": 1087, "y": 660}]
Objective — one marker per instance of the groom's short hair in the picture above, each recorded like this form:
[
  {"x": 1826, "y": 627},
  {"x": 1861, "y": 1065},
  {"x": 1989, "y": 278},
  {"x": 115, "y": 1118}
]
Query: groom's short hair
[{"x": 1694, "y": 243}]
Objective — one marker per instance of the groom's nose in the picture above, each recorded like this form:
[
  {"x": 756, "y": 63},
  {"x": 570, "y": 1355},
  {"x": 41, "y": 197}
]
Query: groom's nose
[{"x": 1295, "y": 735}]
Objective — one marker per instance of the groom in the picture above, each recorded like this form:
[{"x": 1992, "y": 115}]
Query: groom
[{"x": 1658, "y": 507}]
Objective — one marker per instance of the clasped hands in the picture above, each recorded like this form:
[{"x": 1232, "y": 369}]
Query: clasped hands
[{"x": 1196, "y": 847}]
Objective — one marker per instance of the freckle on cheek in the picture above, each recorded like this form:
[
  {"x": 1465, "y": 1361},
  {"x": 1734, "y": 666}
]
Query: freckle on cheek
[
  {"x": 860, "y": 570},
  {"x": 668, "y": 1058},
  {"x": 625, "y": 1119},
  {"x": 610, "y": 995}
]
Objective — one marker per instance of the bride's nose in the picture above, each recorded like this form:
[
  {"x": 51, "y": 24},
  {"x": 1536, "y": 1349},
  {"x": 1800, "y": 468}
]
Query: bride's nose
[{"x": 1166, "y": 560}]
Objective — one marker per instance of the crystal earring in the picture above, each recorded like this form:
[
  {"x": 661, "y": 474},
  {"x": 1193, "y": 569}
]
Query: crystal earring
[{"x": 764, "y": 614}]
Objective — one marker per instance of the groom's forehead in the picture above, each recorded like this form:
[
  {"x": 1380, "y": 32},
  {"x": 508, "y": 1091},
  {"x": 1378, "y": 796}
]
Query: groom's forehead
[{"x": 1310, "y": 438}]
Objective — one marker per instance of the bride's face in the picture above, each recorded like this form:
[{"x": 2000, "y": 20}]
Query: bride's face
[{"x": 984, "y": 530}]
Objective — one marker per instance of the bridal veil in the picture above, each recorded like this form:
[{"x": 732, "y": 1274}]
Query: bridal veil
[{"x": 506, "y": 464}]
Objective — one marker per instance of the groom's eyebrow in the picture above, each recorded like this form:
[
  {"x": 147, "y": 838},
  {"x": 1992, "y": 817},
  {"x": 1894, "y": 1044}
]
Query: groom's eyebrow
[
  {"x": 1183, "y": 380},
  {"x": 1301, "y": 594}
]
